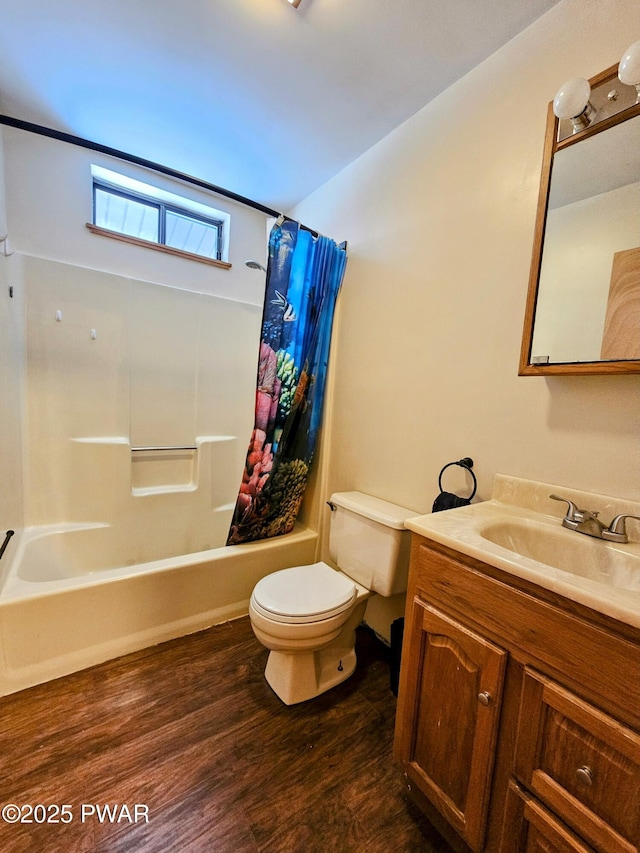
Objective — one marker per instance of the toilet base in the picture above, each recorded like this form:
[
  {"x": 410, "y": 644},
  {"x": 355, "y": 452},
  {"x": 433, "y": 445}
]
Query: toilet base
[{"x": 298, "y": 676}]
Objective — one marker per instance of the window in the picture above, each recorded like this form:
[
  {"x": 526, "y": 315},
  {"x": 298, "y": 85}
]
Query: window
[
  {"x": 140, "y": 211},
  {"x": 126, "y": 214}
]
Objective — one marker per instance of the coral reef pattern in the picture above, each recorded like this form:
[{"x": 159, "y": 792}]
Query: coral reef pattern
[{"x": 304, "y": 275}]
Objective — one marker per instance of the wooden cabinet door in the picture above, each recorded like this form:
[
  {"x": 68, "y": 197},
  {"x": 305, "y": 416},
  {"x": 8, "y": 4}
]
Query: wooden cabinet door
[{"x": 448, "y": 713}]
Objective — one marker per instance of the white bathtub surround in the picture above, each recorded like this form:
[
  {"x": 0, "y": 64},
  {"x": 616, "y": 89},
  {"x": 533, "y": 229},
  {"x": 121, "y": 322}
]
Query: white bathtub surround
[{"x": 168, "y": 368}]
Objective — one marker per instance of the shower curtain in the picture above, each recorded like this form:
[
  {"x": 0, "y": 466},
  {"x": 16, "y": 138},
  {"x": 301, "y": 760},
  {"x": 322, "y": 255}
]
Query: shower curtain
[{"x": 304, "y": 275}]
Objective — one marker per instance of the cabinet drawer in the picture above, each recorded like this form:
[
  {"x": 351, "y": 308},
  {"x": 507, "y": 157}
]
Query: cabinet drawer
[
  {"x": 529, "y": 828},
  {"x": 583, "y": 764}
]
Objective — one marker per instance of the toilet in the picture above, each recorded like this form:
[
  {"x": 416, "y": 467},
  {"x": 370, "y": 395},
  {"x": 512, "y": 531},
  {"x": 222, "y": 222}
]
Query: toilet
[{"x": 307, "y": 615}]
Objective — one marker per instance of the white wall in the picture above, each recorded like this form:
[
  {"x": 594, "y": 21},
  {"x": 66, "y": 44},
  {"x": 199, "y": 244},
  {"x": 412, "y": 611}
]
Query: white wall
[
  {"x": 439, "y": 217},
  {"x": 3, "y": 205},
  {"x": 11, "y": 399},
  {"x": 48, "y": 189},
  {"x": 11, "y": 380}
]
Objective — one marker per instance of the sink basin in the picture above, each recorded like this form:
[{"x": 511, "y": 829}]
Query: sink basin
[
  {"x": 575, "y": 553},
  {"x": 519, "y": 531}
]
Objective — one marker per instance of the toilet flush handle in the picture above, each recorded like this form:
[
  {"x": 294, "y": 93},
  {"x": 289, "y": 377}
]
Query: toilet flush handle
[{"x": 332, "y": 506}]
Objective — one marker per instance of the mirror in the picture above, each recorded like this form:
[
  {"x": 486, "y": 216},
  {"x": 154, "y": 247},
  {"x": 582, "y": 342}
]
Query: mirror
[{"x": 583, "y": 306}]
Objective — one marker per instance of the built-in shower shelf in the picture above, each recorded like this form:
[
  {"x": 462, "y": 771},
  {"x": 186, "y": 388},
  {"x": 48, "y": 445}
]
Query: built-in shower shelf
[
  {"x": 161, "y": 473},
  {"x": 202, "y": 468}
]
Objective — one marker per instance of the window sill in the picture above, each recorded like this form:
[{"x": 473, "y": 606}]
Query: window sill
[{"x": 168, "y": 250}]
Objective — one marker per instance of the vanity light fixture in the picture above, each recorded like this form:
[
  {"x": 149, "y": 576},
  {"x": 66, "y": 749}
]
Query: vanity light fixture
[
  {"x": 294, "y": 3},
  {"x": 572, "y": 102},
  {"x": 629, "y": 68}
]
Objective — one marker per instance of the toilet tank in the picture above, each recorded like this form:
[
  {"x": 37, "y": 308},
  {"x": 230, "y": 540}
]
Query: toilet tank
[{"x": 369, "y": 542}]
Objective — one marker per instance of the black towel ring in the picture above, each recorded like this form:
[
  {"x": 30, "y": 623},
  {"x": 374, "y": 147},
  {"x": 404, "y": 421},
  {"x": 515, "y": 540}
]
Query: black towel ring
[{"x": 466, "y": 463}]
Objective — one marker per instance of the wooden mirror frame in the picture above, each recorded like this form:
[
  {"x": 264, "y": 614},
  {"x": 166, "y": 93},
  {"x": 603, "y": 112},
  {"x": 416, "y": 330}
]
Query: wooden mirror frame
[{"x": 551, "y": 146}]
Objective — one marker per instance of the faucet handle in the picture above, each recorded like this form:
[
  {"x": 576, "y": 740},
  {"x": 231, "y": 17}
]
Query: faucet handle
[
  {"x": 573, "y": 513},
  {"x": 617, "y": 532}
]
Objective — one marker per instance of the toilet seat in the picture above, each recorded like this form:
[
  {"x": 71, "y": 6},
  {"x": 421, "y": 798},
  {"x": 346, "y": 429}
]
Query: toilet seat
[{"x": 303, "y": 594}]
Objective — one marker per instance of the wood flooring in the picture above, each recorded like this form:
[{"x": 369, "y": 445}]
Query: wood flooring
[{"x": 191, "y": 733}]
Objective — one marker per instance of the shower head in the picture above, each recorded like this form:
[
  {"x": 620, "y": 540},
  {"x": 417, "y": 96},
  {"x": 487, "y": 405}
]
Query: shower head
[{"x": 254, "y": 265}]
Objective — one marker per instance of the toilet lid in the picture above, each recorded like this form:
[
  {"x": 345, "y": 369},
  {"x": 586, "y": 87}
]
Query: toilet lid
[{"x": 303, "y": 594}]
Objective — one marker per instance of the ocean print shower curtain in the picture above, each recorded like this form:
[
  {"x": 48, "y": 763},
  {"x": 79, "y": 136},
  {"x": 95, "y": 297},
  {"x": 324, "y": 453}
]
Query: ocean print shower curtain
[{"x": 303, "y": 280}]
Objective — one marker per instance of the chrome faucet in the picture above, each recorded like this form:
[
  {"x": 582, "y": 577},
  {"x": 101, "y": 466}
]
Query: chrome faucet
[
  {"x": 587, "y": 522},
  {"x": 581, "y": 520}
]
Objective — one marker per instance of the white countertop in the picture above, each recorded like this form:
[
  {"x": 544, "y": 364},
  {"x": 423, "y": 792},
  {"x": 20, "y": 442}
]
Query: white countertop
[{"x": 607, "y": 577}]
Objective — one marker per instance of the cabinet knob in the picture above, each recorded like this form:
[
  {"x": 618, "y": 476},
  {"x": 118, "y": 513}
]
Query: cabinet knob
[
  {"x": 585, "y": 775},
  {"x": 484, "y": 698}
]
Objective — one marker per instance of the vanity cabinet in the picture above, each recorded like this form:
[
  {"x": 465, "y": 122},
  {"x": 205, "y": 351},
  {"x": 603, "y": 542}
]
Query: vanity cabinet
[{"x": 518, "y": 718}]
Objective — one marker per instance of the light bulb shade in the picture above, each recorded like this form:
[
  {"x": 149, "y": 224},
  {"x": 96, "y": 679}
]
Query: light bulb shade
[
  {"x": 629, "y": 68},
  {"x": 572, "y": 98}
]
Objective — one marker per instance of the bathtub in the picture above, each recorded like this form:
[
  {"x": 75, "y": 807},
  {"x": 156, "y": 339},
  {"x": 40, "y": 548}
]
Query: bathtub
[{"x": 74, "y": 595}]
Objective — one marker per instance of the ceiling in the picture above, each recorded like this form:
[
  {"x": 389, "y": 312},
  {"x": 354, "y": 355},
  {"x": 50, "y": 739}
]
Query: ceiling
[{"x": 251, "y": 95}]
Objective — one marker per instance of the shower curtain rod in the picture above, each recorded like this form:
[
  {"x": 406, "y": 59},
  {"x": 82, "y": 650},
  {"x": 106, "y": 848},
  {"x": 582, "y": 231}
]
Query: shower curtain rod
[{"x": 140, "y": 161}]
